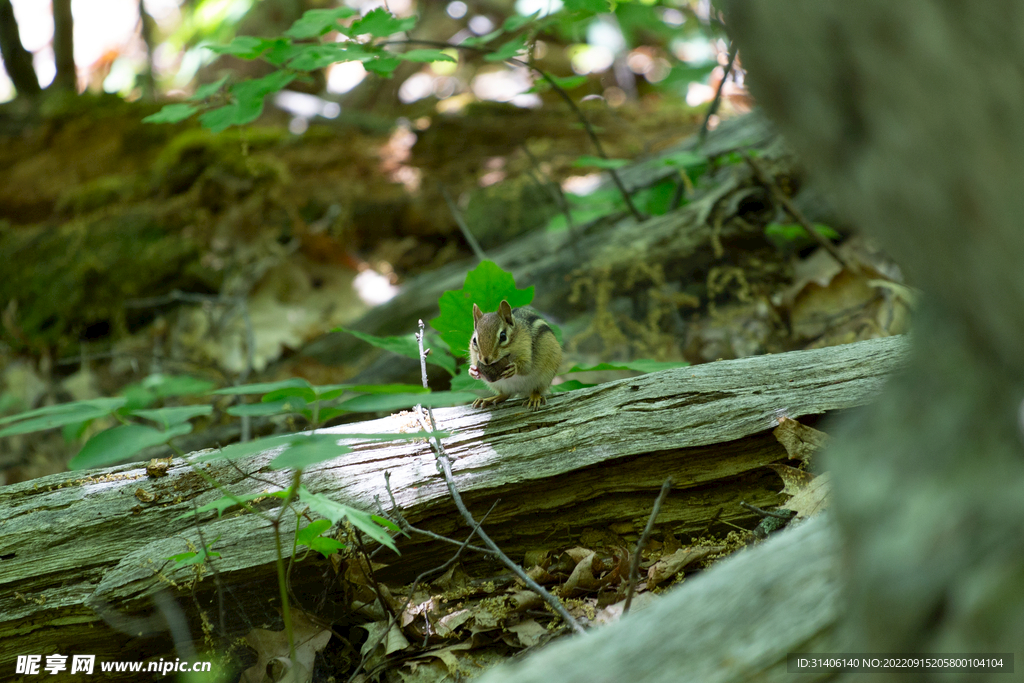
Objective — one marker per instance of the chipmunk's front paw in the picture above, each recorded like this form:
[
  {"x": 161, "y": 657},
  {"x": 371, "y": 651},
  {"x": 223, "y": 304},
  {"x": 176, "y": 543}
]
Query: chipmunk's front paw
[
  {"x": 487, "y": 402},
  {"x": 535, "y": 401},
  {"x": 474, "y": 372}
]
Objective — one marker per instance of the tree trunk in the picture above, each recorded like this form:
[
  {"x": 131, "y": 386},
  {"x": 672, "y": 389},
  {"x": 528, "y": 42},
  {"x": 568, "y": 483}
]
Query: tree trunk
[
  {"x": 17, "y": 60},
  {"x": 590, "y": 459},
  {"x": 64, "y": 46}
]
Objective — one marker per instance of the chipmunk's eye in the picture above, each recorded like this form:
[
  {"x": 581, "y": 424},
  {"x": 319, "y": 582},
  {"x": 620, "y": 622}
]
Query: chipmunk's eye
[
  {"x": 474, "y": 341},
  {"x": 502, "y": 337}
]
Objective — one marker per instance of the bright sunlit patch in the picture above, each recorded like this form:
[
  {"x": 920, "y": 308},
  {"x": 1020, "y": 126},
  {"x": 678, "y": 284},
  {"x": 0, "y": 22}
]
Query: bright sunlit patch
[
  {"x": 481, "y": 25},
  {"x": 545, "y": 7},
  {"x": 604, "y": 32},
  {"x": 373, "y": 288},
  {"x": 699, "y": 93},
  {"x": 344, "y": 76},
  {"x": 696, "y": 51},
  {"x": 672, "y": 16},
  {"x": 590, "y": 59},
  {"x": 306, "y": 105},
  {"x": 503, "y": 85},
  {"x": 457, "y": 9},
  {"x": 416, "y": 87},
  {"x": 581, "y": 184}
]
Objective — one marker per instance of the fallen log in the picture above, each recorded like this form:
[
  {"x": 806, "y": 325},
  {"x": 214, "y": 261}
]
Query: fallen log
[{"x": 75, "y": 541}]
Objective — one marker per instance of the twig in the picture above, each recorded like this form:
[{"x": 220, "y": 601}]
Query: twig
[
  {"x": 408, "y": 528},
  {"x": 797, "y": 214},
  {"x": 713, "y": 109},
  {"x": 412, "y": 591},
  {"x": 457, "y": 215},
  {"x": 634, "y": 566},
  {"x": 445, "y": 467},
  {"x": 766, "y": 513}
]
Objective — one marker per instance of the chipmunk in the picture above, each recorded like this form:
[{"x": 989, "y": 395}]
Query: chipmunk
[{"x": 514, "y": 352}]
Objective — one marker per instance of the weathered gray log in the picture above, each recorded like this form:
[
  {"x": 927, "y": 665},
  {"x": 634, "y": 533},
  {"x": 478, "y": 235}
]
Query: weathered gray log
[
  {"x": 593, "y": 457},
  {"x": 734, "y": 623}
]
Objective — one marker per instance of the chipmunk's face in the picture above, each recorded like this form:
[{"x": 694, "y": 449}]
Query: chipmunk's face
[{"x": 492, "y": 334}]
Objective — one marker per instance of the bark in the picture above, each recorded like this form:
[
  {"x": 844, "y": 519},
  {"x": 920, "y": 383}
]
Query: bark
[
  {"x": 17, "y": 60},
  {"x": 911, "y": 113},
  {"x": 590, "y": 459},
  {"x": 64, "y": 46}
]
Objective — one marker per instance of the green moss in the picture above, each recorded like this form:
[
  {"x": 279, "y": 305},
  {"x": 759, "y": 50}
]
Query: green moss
[
  {"x": 97, "y": 193},
  {"x": 72, "y": 280},
  {"x": 193, "y": 152}
]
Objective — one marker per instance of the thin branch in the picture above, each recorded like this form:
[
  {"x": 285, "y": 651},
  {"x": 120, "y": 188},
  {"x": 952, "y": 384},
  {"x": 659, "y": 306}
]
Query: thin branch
[
  {"x": 591, "y": 133},
  {"x": 766, "y": 513},
  {"x": 713, "y": 109},
  {"x": 634, "y": 566},
  {"x": 555, "y": 190},
  {"x": 445, "y": 467},
  {"x": 825, "y": 243},
  {"x": 460, "y": 221}
]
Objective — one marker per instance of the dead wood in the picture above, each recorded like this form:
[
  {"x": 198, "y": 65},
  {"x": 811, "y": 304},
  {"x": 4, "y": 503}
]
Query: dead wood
[
  {"x": 589, "y": 459},
  {"x": 734, "y": 623}
]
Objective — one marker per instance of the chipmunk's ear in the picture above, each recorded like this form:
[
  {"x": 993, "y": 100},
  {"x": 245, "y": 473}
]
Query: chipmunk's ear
[
  {"x": 477, "y": 314},
  {"x": 505, "y": 311}
]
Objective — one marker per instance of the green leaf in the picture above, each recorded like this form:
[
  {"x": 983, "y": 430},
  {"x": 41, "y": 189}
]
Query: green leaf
[
  {"x": 171, "y": 113},
  {"x": 657, "y": 199},
  {"x": 316, "y": 22},
  {"x": 243, "y": 47},
  {"x": 60, "y": 415},
  {"x": 188, "y": 558},
  {"x": 640, "y": 365},
  {"x": 310, "y": 536},
  {"x": 508, "y": 50},
  {"x": 426, "y": 56},
  {"x": 794, "y": 232},
  {"x": 382, "y": 66},
  {"x": 392, "y": 402},
  {"x": 172, "y": 416},
  {"x": 108, "y": 405},
  {"x": 309, "y": 449},
  {"x": 569, "y": 385},
  {"x": 486, "y": 285},
  {"x": 281, "y": 51},
  {"x": 404, "y": 346},
  {"x": 517, "y": 21},
  {"x": 563, "y": 82},
  {"x": 389, "y": 388},
  {"x": 248, "y": 105},
  {"x": 336, "y": 512},
  {"x": 587, "y": 6},
  {"x": 208, "y": 90},
  {"x": 588, "y": 160},
  {"x": 380, "y": 23},
  {"x": 224, "y": 503},
  {"x": 685, "y": 160},
  {"x": 121, "y": 443},
  {"x": 306, "y": 394},
  {"x": 463, "y": 382},
  {"x": 311, "y": 57},
  {"x": 163, "y": 386},
  {"x": 474, "y": 41},
  {"x": 293, "y": 404},
  {"x": 265, "y": 387}
]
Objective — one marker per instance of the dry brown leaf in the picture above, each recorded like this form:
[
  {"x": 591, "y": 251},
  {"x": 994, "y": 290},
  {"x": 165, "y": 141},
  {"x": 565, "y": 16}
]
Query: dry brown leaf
[
  {"x": 800, "y": 441},
  {"x": 670, "y": 565},
  {"x": 794, "y": 480},
  {"x": 813, "y": 498},
  {"x": 530, "y": 633},
  {"x": 272, "y": 649}
]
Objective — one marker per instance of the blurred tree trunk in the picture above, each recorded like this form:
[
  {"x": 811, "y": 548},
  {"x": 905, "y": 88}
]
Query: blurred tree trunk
[
  {"x": 64, "y": 46},
  {"x": 17, "y": 60},
  {"x": 912, "y": 113}
]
